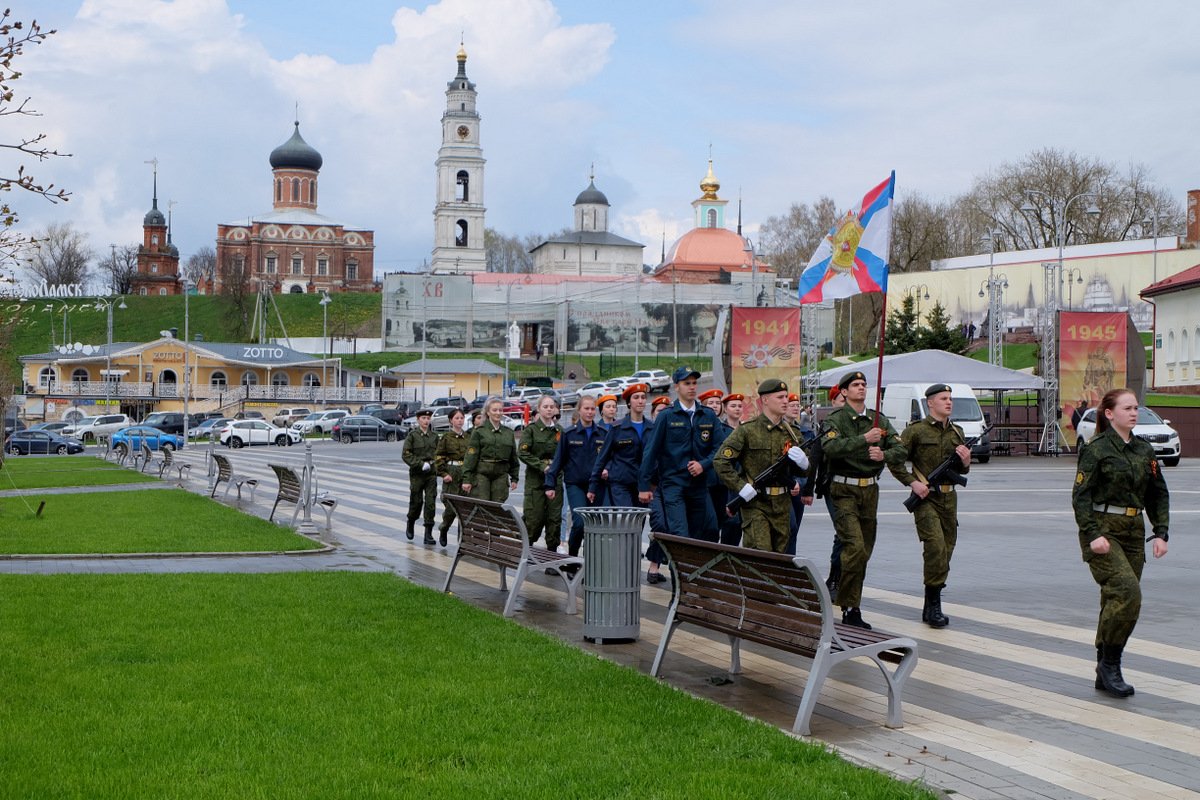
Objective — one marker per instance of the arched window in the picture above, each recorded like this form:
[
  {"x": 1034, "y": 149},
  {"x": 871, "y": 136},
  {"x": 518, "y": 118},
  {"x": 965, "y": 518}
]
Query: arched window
[
  {"x": 311, "y": 379},
  {"x": 218, "y": 379},
  {"x": 1196, "y": 344},
  {"x": 249, "y": 378},
  {"x": 167, "y": 376},
  {"x": 46, "y": 375},
  {"x": 279, "y": 379},
  {"x": 1170, "y": 347},
  {"x": 296, "y": 289},
  {"x": 462, "y": 186},
  {"x": 143, "y": 291},
  {"x": 162, "y": 291},
  {"x": 312, "y": 191},
  {"x": 712, "y": 218},
  {"x": 278, "y": 190},
  {"x": 296, "y": 190},
  {"x": 80, "y": 375},
  {"x": 460, "y": 233},
  {"x": 1185, "y": 353}
]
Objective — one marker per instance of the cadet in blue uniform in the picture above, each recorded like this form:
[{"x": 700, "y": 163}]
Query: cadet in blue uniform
[
  {"x": 621, "y": 456},
  {"x": 678, "y": 454},
  {"x": 658, "y": 519},
  {"x": 574, "y": 459}
]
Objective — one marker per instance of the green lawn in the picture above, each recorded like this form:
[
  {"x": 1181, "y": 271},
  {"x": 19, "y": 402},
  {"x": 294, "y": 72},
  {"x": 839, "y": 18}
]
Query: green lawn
[
  {"x": 37, "y": 472},
  {"x": 154, "y": 521},
  {"x": 345, "y": 685},
  {"x": 1016, "y": 356}
]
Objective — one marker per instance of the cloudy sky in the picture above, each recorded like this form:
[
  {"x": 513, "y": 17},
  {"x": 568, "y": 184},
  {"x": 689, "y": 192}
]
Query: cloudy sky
[{"x": 797, "y": 99}]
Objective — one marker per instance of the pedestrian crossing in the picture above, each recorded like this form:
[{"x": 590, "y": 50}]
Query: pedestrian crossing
[{"x": 1001, "y": 704}]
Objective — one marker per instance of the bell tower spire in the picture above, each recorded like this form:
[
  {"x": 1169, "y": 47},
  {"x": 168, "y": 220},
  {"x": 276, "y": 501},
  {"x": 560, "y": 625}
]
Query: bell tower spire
[{"x": 458, "y": 216}]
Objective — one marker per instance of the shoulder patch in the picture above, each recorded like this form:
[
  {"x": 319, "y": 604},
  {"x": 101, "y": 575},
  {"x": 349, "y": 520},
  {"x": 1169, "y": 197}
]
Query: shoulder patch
[
  {"x": 832, "y": 434},
  {"x": 728, "y": 453},
  {"x": 472, "y": 449},
  {"x": 1079, "y": 477}
]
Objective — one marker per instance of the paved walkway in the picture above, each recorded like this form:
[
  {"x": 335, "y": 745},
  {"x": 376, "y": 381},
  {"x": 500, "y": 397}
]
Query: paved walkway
[{"x": 1001, "y": 704}]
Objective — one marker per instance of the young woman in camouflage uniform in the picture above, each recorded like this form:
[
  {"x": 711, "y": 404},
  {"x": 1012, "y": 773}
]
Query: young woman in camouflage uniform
[
  {"x": 1119, "y": 478},
  {"x": 491, "y": 466},
  {"x": 539, "y": 442},
  {"x": 448, "y": 464}
]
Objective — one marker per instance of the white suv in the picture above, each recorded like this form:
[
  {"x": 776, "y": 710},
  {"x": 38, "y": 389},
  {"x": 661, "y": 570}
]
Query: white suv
[
  {"x": 89, "y": 429},
  {"x": 659, "y": 380},
  {"x": 1150, "y": 426},
  {"x": 319, "y": 422}
]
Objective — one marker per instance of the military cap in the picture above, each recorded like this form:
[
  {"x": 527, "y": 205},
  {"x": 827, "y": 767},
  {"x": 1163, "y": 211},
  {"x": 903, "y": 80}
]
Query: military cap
[
  {"x": 710, "y": 394},
  {"x": 630, "y": 391},
  {"x": 732, "y": 396},
  {"x": 771, "y": 386},
  {"x": 660, "y": 401},
  {"x": 604, "y": 398},
  {"x": 683, "y": 373},
  {"x": 937, "y": 388},
  {"x": 849, "y": 378},
  {"x": 425, "y": 412}
]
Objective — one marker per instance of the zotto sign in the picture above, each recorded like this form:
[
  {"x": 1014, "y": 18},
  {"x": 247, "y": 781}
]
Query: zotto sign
[{"x": 264, "y": 353}]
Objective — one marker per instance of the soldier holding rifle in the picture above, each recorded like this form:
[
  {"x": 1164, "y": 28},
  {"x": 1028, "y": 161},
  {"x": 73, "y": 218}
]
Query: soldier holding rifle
[
  {"x": 756, "y": 447},
  {"x": 927, "y": 444}
]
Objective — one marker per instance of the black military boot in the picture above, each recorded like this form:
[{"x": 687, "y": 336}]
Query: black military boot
[
  {"x": 933, "y": 608},
  {"x": 429, "y": 535},
  {"x": 442, "y": 536},
  {"x": 831, "y": 583},
  {"x": 853, "y": 616},
  {"x": 412, "y": 523},
  {"x": 1108, "y": 672}
]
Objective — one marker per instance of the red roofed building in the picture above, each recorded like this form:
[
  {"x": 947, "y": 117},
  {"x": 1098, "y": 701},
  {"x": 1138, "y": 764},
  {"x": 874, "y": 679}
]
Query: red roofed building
[{"x": 1176, "y": 331}]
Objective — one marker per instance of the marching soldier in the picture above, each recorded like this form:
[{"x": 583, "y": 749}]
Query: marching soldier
[
  {"x": 730, "y": 527},
  {"x": 856, "y": 443},
  {"x": 491, "y": 466},
  {"x": 1119, "y": 478},
  {"x": 420, "y": 450},
  {"x": 572, "y": 466},
  {"x": 539, "y": 442},
  {"x": 927, "y": 444},
  {"x": 754, "y": 447},
  {"x": 448, "y": 464}
]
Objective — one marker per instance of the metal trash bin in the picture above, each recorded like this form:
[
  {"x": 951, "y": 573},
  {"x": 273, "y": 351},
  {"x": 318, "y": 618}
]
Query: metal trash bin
[{"x": 612, "y": 591}]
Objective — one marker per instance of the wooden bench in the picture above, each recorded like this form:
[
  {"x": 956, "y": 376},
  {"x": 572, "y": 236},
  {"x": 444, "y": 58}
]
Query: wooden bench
[
  {"x": 291, "y": 490},
  {"x": 495, "y": 532},
  {"x": 167, "y": 461},
  {"x": 779, "y": 601},
  {"x": 226, "y": 475}
]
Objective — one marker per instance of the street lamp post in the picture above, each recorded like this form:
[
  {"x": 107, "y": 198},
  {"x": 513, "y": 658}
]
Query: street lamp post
[
  {"x": 1053, "y": 299},
  {"x": 916, "y": 291},
  {"x": 325, "y": 301},
  {"x": 1073, "y": 276},
  {"x": 1152, "y": 222},
  {"x": 107, "y": 304},
  {"x": 187, "y": 362},
  {"x": 995, "y": 331}
]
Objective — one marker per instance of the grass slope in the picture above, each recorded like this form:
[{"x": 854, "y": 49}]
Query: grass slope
[
  {"x": 158, "y": 521},
  {"x": 344, "y": 685},
  {"x": 37, "y": 472}
]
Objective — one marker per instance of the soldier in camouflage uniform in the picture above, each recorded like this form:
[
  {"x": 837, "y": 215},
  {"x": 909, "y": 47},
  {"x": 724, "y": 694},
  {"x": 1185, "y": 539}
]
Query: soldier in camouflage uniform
[
  {"x": 491, "y": 466},
  {"x": 420, "y": 448},
  {"x": 927, "y": 444},
  {"x": 754, "y": 447},
  {"x": 539, "y": 442},
  {"x": 448, "y": 464},
  {"x": 1119, "y": 478},
  {"x": 856, "y": 443}
]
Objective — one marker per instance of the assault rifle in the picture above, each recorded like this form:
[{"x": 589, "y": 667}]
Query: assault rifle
[
  {"x": 761, "y": 479},
  {"x": 945, "y": 472}
]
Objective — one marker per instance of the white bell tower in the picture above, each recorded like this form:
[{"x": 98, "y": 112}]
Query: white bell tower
[{"x": 458, "y": 216}]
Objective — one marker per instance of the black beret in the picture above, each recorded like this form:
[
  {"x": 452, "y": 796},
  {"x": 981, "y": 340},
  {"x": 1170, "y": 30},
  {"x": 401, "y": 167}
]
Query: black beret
[
  {"x": 937, "y": 388},
  {"x": 849, "y": 378},
  {"x": 425, "y": 412}
]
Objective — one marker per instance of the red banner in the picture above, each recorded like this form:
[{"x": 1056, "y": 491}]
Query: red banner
[
  {"x": 1091, "y": 360},
  {"x": 764, "y": 343}
]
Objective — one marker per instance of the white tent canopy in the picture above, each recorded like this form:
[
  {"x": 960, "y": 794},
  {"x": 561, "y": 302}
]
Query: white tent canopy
[{"x": 933, "y": 366}]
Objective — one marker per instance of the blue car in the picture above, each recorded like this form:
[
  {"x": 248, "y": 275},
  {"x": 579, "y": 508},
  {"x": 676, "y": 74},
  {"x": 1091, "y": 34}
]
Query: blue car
[
  {"x": 24, "y": 443},
  {"x": 131, "y": 439}
]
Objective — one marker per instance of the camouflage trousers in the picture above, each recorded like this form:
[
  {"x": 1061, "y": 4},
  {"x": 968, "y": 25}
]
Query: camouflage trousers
[
  {"x": 937, "y": 528},
  {"x": 541, "y": 513},
  {"x": 491, "y": 487},
  {"x": 766, "y": 522},
  {"x": 422, "y": 496},
  {"x": 448, "y": 515},
  {"x": 1119, "y": 573},
  {"x": 855, "y": 525}
]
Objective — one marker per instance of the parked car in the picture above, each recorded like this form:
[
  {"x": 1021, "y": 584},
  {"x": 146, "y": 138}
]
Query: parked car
[
  {"x": 391, "y": 416},
  {"x": 598, "y": 388},
  {"x": 27, "y": 442},
  {"x": 658, "y": 379},
  {"x": 208, "y": 428},
  {"x": 365, "y": 428},
  {"x": 89, "y": 429},
  {"x": 566, "y": 397},
  {"x": 524, "y": 394},
  {"x": 406, "y": 408},
  {"x": 369, "y": 407},
  {"x": 455, "y": 400},
  {"x": 246, "y": 432},
  {"x": 318, "y": 422},
  {"x": 1150, "y": 426},
  {"x": 11, "y": 425},
  {"x": 440, "y": 421},
  {"x": 284, "y": 417},
  {"x": 249, "y": 415},
  {"x": 52, "y": 427},
  {"x": 131, "y": 439},
  {"x": 167, "y": 421},
  {"x": 196, "y": 419}
]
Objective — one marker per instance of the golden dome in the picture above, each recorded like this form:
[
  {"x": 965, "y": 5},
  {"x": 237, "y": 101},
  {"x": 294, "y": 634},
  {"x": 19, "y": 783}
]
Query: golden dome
[
  {"x": 462, "y": 53},
  {"x": 710, "y": 184}
]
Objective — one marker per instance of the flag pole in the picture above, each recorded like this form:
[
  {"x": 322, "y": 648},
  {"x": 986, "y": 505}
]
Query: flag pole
[{"x": 883, "y": 312}]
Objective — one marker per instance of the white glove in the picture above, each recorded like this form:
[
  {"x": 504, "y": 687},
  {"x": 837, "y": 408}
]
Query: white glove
[
  {"x": 798, "y": 457},
  {"x": 425, "y": 466},
  {"x": 748, "y": 492}
]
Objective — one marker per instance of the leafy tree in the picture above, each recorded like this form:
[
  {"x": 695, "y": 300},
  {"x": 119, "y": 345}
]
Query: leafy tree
[
  {"x": 790, "y": 240},
  {"x": 938, "y": 334},
  {"x": 62, "y": 254},
  {"x": 201, "y": 265},
  {"x": 121, "y": 267},
  {"x": 901, "y": 334},
  {"x": 507, "y": 253},
  {"x": 14, "y": 35}
]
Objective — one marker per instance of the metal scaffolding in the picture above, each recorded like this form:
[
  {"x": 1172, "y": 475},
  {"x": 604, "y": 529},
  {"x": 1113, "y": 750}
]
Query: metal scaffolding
[{"x": 1051, "y": 291}]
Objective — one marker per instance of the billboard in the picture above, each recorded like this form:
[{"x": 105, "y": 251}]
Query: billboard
[
  {"x": 1092, "y": 359},
  {"x": 764, "y": 343}
]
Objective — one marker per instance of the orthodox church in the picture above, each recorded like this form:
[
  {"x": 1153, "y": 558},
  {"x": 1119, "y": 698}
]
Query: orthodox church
[{"x": 157, "y": 258}]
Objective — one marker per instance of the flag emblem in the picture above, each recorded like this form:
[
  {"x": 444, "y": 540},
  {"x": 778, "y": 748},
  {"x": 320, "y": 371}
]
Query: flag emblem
[{"x": 852, "y": 258}]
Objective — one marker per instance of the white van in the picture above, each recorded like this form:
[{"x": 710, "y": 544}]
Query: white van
[{"x": 904, "y": 404}]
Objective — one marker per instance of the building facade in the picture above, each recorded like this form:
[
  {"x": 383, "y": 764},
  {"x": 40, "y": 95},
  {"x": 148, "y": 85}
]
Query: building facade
[
  {"x": 157, "y": 257},
  {"x": 590, "y": 249},
  {"x": 293, "y": 248},
  {"x": 458, "y": 216},
  {"x": 1176, "y": 331}
]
